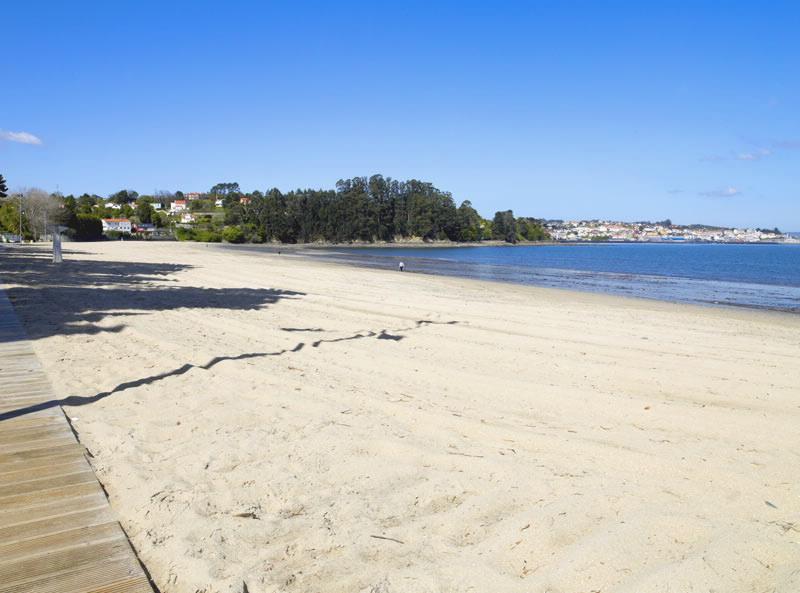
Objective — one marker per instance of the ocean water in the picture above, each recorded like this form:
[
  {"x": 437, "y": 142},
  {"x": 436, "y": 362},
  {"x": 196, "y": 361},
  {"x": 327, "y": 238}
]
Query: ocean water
[{"x": 761, "y": 276}]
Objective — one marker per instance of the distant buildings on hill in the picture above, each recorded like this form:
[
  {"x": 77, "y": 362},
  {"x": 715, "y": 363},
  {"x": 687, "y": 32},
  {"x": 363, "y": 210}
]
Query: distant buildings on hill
[{"x": 659, "y": 232}]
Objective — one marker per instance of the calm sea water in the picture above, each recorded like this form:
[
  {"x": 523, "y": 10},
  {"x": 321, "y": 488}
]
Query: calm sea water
[{"x": 762, "y": 276}]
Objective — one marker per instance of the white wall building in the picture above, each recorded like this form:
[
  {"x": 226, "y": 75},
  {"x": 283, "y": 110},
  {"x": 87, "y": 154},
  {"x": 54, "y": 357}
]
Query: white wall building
[
  {"x": 178, "y": 206},
  {"x": 122, "y": 225}
]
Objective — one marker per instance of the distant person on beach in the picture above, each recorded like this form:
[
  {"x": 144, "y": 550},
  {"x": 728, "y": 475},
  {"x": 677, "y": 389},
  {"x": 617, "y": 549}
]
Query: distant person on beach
[{"x": 401, "y": 266}]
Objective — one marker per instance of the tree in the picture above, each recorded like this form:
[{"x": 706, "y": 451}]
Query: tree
[
  {"x": 10, "y": 218},
  {"x": 42, "y": 210},
  {"x": 123, "y": 196},
  {"x": 504, "y": 226},
  {"x": 229, "y": 192},
  {"x": 3, "y": 187},
  {"x": 164, "y": 198},
  {"x": 531, "y": 229},
  {"x": 69, "y": 212},
  {"x": 144, "y": 212},
  {"x": 86, "y": 203},
  {"x": 88, "y": 228},
  {"x": 225, "y": 189},
  {"x": 468, "y": 223},
  {"x": 380, "y": 194}
]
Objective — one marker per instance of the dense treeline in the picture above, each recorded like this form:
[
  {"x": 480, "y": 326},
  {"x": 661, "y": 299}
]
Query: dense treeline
[
  {"x": 364, "y": 209},
  {"x": 360, "y": 209}
]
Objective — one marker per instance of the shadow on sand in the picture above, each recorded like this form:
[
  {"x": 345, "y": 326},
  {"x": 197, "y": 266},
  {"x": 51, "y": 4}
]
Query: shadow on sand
[
  {"x": 76, "y": 296},
  {"x": 75, "y": 400}
]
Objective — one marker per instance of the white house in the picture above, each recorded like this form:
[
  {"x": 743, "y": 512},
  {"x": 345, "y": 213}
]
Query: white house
[
  {"x": 122, "y": 225},
  {"x": 157, "y": 205},
  {"x": 187, "y": 217},
  {"x": 178, "y": 206}
]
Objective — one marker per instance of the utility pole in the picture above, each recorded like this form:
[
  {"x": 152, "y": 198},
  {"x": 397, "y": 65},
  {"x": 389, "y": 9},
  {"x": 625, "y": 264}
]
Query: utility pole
[{"x": 20, "y": 219}]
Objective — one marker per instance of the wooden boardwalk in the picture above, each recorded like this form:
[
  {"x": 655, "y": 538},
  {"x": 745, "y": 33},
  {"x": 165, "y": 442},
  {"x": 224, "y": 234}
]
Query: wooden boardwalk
[{"x": 57, "y": 531}]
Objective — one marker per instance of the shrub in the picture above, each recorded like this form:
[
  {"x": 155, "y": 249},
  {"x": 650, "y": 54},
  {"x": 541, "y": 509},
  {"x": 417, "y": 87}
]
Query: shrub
[
  {"x": 184, "y": 234},
  {"x": 233, "y": 234},
  {"x": 207, "y": 236}
]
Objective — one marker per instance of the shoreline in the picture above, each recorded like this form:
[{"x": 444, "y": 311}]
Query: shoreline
[
  {"x": 493, "y": 243},
  {"x": 462, "y": 270},
  {"x": 583, "y": 296}
]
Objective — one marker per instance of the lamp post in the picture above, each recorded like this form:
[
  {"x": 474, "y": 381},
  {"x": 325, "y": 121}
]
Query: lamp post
[{"x": 20, "y": 219}]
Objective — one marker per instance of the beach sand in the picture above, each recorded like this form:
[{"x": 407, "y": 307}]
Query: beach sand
[{"x": 296, "y": 425}]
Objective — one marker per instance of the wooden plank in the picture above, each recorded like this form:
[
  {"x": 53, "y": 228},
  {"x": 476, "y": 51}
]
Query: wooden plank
[
  {"x": 30, "y": 434},
  {"x": 59, "y": 524},
  {"x": 58, "y": 534},
  {"x": 32, "y": 499},
  {"x": 50, "y": 509},
  {"x": 53, "y": 461},
  {"x": 17, "y": 549},
  {"x": 69, "y": 466},
  {"x": 117, "y": 575},
  {"x": 50, "y": 561},
  {"x": 50, "y": 417},
  {"x": 33, "y": 445},
  {"x": 7, "y": 459},
  {"x": 45, "y": 484}
]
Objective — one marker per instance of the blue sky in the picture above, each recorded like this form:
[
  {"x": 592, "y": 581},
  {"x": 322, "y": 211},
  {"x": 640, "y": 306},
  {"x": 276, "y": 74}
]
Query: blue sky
[{"x": 626, "y": 110}]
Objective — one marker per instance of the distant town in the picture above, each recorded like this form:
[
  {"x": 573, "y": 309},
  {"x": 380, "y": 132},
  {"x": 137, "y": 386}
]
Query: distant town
[{"x": 665, "y": 231}]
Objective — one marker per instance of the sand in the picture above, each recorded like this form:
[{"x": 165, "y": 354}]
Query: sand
[{"x": 294, "y": 425}]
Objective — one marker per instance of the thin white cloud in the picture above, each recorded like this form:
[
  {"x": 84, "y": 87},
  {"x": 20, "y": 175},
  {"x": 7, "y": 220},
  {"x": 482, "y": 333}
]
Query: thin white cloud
[
  {"x": 727, "y": 192},
  {"x": 755, "y": 155},
  {"x": 21, "y": 137}
]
